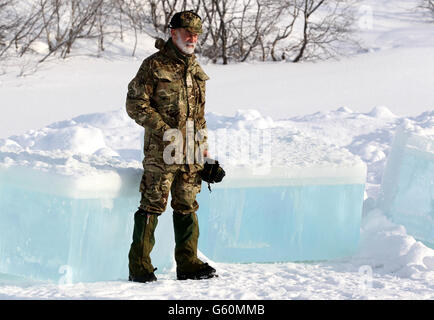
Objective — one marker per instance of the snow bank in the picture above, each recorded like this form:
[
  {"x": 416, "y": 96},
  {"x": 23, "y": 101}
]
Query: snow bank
[
  {"x": 248, "y": 145},
  {"x": 389, "y": 249}
]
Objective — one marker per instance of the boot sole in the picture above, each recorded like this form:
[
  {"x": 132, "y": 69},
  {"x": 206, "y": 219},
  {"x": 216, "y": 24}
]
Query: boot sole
[
  {"x": 141, "y": 280},
  {"x": 201, "y": 277}
]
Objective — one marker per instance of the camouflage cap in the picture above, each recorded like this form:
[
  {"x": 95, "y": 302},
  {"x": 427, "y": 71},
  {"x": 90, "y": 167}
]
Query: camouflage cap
[{"x": 188, "y": 20}]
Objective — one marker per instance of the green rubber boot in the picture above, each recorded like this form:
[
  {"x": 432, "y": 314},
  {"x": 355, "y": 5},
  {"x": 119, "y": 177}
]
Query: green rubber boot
[
  {"x": 140, "y": 266},
  {"x": 188, "y": 266}
]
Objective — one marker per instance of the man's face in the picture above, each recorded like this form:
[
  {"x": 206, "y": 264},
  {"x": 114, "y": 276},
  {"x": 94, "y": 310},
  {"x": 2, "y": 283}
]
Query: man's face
[{"x": 184, "y": 40}]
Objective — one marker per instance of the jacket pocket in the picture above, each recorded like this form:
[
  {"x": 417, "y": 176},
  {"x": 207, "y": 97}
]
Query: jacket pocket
[
  {"x": 201, "y": 79},
  {"x": 166, "y": 97},
  {"x": 147, "y": 140}
]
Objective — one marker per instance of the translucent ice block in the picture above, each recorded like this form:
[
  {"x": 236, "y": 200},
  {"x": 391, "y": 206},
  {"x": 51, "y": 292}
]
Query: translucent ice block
[
  {"x": 79, "y": 228},
  {"x": 72, "y": 228},
  {"x": 408, "y": 184},
  {"x": 68, "y": 216},
  {"x": 285, "y": 215}
]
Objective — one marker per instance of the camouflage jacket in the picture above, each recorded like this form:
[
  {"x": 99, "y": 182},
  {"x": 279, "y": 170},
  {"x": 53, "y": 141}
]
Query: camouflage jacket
[{"x": 168, "y": 90}]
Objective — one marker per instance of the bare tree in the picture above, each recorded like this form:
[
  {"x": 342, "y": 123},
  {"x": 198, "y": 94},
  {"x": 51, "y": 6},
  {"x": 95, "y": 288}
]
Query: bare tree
[
  {"x": 23, "y": 31},
  {"x": 60, "y": 23},
  {"x": 326, "y": 24},
  {"x": 283, "y": 15},
  {"x": 209, "y": 40},
  {"x": 296, "y": 30},
  {"x": 427, "y": 5},
  {"x": 219, "y": 17},
  {"x": 72, "y": 21},
  {"x": 224, "y": 20},
  {"x": 136, "y": 18},
  {"x": 104, "y": 18},
  {"x": 249, "y": 29},
  {"x": 9, "y": 21},
  {"x": 234, "y": 30}
]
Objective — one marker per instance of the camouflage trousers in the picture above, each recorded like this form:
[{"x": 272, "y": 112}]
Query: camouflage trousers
[{"x": 158, "y": 181}]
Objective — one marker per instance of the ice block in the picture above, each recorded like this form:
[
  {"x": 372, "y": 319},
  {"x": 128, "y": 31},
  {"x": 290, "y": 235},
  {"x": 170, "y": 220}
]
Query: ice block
[
  {"x": 67, "y": 209},
  {"x": 407, "y": 190},
  {"x": 283, "y": 216}
]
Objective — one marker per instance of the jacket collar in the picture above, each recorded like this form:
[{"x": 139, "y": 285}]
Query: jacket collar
[{"x": 174, "y": 53}]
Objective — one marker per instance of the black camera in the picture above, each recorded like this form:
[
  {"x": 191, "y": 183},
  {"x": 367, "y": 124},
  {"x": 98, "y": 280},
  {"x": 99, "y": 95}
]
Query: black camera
[{"x": 212, "y": 172}]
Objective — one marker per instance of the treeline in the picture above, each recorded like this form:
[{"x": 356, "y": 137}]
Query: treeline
[
  {"x": 234, "y": 30},
  {"x": 428, "y": 6}
]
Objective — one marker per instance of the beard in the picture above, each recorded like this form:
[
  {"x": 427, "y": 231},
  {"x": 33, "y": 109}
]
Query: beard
[{"x": 185, "y": 47}]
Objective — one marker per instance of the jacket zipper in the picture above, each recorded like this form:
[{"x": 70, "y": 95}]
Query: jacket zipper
[{"x": 186, "y": 93}]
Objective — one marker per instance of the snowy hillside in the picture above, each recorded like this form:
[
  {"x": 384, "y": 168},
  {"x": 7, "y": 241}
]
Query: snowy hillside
[{"x": 69, "y": 116}]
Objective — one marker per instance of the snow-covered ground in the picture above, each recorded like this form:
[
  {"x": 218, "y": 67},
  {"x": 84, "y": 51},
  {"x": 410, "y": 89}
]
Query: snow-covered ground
[
  {"x": 388, "y": 264},
  {"x": 355, "y": 103}
]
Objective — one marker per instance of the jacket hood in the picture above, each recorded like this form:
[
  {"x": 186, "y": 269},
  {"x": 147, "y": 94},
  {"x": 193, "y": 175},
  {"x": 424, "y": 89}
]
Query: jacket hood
[{"x": 159, "y": 43}]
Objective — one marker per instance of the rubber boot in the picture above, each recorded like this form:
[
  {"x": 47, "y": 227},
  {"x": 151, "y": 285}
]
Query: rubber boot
[
  {"x": 140, "y": 266},
  {"x": 188, "y": 266}
]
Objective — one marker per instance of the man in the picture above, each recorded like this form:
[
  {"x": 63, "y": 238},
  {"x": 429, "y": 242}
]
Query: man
[{"x": 168, "y": 92}]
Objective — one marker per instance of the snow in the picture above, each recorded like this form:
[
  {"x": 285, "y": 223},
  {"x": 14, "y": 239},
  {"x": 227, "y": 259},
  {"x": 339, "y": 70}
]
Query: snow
[
  {"x": 394, "y": 260},
  {"x": 354, "y": 105},
  {"x": 363, "y": 82},
  {"x": 314, "y": 189},
  {"x": 83, "y": 144}
]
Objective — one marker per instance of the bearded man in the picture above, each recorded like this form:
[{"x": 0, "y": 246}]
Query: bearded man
[{"x": 168, "y": 93}]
